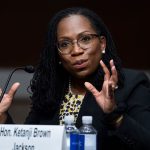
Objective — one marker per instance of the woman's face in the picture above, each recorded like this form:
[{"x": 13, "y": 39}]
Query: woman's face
[{"x": 82, "y": 58}]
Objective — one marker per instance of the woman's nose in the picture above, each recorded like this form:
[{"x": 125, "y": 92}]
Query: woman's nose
[{"x": 76, "y": 49}]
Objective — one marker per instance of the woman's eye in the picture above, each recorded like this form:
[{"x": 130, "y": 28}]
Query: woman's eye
[
  {"x": 86, "y": 38},
  {"x": 63, "y": 44}
]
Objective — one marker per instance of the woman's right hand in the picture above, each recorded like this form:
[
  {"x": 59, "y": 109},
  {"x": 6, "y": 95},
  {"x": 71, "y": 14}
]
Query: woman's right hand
[{"x": 6, "y": 101}]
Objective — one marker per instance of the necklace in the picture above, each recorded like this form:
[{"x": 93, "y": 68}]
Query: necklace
[{"x": 70, "y": 91}]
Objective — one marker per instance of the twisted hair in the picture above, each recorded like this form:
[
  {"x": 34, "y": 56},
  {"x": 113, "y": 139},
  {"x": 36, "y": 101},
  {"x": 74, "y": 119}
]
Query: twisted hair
[{"x": 50, "y": 80}]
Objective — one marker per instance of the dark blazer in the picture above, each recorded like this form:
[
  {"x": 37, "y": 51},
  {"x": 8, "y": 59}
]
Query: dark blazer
[{"x": 133, "y": 133}]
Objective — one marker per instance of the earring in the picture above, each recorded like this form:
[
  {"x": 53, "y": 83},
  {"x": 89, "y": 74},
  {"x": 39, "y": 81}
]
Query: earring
[
  {"x": 103, "y": 51},
  {"x": 59, "y": 62}
]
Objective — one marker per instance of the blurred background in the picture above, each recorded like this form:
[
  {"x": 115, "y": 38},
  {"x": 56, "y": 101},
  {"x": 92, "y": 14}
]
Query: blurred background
[{"x": 23, "y": 26}]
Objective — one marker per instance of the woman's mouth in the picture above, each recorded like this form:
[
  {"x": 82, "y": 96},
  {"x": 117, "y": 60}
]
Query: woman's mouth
[{"x": 80, "y": 64}]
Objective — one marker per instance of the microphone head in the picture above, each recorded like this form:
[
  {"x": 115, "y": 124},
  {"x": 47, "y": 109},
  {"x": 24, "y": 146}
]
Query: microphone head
[{"x": 29, "y": 69}]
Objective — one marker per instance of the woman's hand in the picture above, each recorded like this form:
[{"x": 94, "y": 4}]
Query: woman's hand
[
  {"x": 105, "y": 97},
  {"x": 7, "y": 100}
]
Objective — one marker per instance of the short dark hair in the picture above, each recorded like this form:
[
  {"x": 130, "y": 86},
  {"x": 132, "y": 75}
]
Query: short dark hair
[{"x": 50, "y": 81}]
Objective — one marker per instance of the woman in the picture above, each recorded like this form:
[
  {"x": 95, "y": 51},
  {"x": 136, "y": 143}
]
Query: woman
[{"x": 81, "y": 74}]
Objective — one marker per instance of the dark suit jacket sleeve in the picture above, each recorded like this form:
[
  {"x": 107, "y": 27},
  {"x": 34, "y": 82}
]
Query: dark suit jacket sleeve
[{"x": 135, "y": 128}]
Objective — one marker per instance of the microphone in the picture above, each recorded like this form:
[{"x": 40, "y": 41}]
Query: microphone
[{"x": 29, "y": 69}]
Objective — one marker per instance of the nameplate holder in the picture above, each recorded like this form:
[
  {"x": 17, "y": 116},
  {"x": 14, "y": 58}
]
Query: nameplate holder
[{"x": 32, "y": 137}]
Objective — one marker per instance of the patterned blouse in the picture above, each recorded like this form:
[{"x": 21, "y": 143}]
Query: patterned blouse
[{"x": 70, "y": 106}]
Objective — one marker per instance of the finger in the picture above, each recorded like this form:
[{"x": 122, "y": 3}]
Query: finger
[
  {"x": 91, "y": 88},
  {"x": 106, "y": 71},
  {"x": 111, "y": 89},
  {"x": 113, "y": 69},
  {"x": 111, "y": 62},
  {"x": 114, "y": 76},
  {"x": 13, "y": 89}
]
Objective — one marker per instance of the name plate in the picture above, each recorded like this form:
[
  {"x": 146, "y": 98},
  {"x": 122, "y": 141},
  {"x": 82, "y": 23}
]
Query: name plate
[{"x": 32, "y": 137}]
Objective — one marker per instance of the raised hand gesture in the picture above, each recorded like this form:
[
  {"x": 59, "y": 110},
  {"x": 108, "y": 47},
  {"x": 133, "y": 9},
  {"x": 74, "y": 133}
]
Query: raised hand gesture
[
  {"x": 7, "y": 100},
  {"x": 105, "y": 98}
]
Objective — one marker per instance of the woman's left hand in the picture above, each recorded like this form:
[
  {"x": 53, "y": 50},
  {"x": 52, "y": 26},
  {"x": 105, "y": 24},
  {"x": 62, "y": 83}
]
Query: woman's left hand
[{"x": 105, "y": 98}]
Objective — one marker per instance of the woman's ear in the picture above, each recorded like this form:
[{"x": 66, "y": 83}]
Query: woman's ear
[{"x": 103, "y": 43}]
